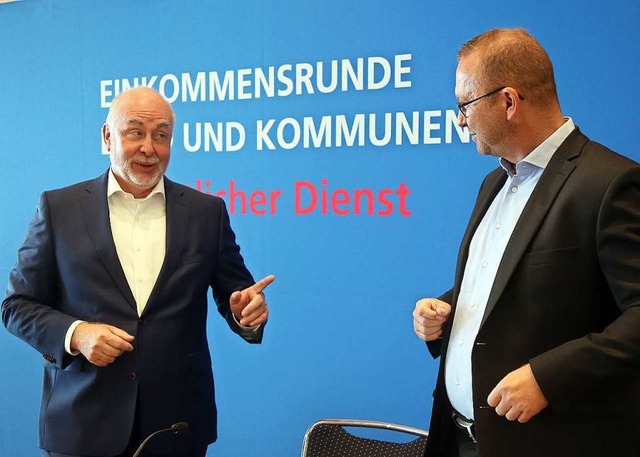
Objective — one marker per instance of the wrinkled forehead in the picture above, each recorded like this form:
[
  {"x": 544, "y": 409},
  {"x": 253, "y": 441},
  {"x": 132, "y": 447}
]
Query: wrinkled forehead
[
  {"x": 144, "y": 119},
  {"x": 147, "y": 114},
  {"x": 142, "y": 104}
]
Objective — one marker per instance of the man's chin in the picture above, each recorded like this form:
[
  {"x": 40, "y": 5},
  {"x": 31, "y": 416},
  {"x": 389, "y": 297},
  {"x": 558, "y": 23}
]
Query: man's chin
[
  {"x": 483, "y": 149},
  {"x": 145, "y": 182},
  {"x": 148, "y": 179}
]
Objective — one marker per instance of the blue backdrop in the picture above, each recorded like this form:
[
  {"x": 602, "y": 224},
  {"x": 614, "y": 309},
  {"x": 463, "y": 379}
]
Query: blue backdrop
[{"x": 292, "y": 102}]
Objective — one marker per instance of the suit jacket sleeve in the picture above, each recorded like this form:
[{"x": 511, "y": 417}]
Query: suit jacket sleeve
[
  {"x": 231, "y": 275},
  {"x": 29, "y": 309}
]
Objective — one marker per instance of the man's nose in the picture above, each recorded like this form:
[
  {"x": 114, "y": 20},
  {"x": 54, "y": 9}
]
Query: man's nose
[
  {"x": 462, "y": 120},
  {"x": 147, "y": 147}
]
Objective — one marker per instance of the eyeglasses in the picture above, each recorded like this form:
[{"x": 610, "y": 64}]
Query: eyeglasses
[{"x": 463, "y": 106}]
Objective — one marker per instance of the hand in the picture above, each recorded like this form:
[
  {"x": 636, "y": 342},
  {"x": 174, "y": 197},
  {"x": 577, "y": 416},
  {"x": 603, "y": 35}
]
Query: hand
[
  {"x": 518, "y": 396},
  {"x": 249, "y": 305},
  {"x": 101, "y": 344},
  {"x": 429, "y": 317}
]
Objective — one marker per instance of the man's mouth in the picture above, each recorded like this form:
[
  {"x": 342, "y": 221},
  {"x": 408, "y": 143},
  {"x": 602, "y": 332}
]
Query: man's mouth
[{"x": 146, "y": 164}]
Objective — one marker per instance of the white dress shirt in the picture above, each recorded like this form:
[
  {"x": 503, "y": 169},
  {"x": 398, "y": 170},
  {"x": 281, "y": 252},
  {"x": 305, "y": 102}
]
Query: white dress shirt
[
  {"x": 139, "y": 230},
  {"x": 485, "y": 253}
]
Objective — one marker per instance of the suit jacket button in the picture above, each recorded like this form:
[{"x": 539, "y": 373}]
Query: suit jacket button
[
  {"x": 133, "y": 375},
  {"x": 140, "y": 321}
]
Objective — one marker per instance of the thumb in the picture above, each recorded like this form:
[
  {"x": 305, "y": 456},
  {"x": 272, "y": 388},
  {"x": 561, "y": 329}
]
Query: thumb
[
  {"x": 494, "y": 397},
  {"x": 235, "y": 298},
  {"x": 442, "y": 311},
  {"x": 121, "y": 333}
]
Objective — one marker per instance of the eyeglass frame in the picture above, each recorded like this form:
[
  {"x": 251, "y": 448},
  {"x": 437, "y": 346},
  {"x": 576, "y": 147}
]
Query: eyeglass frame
[{"x": 463, "y": 106}]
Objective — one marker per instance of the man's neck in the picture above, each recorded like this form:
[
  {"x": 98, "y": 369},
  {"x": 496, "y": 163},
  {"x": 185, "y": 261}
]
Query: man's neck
[{"x": 533, "y": 135}]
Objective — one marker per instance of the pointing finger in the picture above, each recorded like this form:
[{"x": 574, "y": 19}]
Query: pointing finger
[{"x": 261, "y": 285}]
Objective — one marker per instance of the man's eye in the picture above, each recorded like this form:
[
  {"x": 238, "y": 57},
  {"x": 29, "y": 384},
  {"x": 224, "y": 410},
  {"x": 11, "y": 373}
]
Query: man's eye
[{"x": 134, "y": 133}]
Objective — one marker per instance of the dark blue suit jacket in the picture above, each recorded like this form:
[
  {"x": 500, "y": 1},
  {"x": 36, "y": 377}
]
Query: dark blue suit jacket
[{"x": 68, "y": 269}]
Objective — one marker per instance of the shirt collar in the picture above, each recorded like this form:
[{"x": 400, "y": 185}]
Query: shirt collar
[
  {"x": 113, "y": 188},
  {"x": 542, "y": 154}
]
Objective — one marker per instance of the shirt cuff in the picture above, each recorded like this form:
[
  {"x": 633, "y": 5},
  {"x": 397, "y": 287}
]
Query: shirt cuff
[
  {"x": 244, "y": 327},
  {"x": 67, "y": 338}
]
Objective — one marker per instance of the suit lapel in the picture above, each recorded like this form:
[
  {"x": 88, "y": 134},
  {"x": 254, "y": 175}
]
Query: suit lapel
[
  {"x": 177, "y": 219},
  {"x": 551, "y": 182},
  {"x": 95, "y": 211}
]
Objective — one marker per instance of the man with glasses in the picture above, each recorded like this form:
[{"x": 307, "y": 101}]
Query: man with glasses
[{"x": 539, "y": 338}]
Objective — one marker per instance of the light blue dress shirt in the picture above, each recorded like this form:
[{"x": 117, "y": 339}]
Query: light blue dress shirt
[{"x": 485, "y": 253}]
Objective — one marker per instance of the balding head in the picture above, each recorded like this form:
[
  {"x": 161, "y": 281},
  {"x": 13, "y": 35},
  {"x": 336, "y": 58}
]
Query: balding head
[
  {"x": 139, "y": 94},
  {"x": 512, "y": 57}
]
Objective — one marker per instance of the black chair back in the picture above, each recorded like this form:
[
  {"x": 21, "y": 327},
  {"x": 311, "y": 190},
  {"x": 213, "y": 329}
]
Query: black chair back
[{"x": 328, "y": 438}]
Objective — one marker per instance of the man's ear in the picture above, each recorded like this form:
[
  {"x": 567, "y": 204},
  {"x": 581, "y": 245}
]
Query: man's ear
[
  {"x": 513, "y": 102},
  {"x": 106, "y": 136}
]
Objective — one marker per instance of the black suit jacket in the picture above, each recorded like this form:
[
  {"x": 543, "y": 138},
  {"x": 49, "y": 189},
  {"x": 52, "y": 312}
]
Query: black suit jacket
[
  {"x": 68, "y": 269},
  {"x": 566, "y": 299}
]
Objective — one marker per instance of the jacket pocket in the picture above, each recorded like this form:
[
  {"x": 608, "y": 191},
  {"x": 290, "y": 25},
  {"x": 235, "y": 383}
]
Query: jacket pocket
[{"x": 548, "y": 256}]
